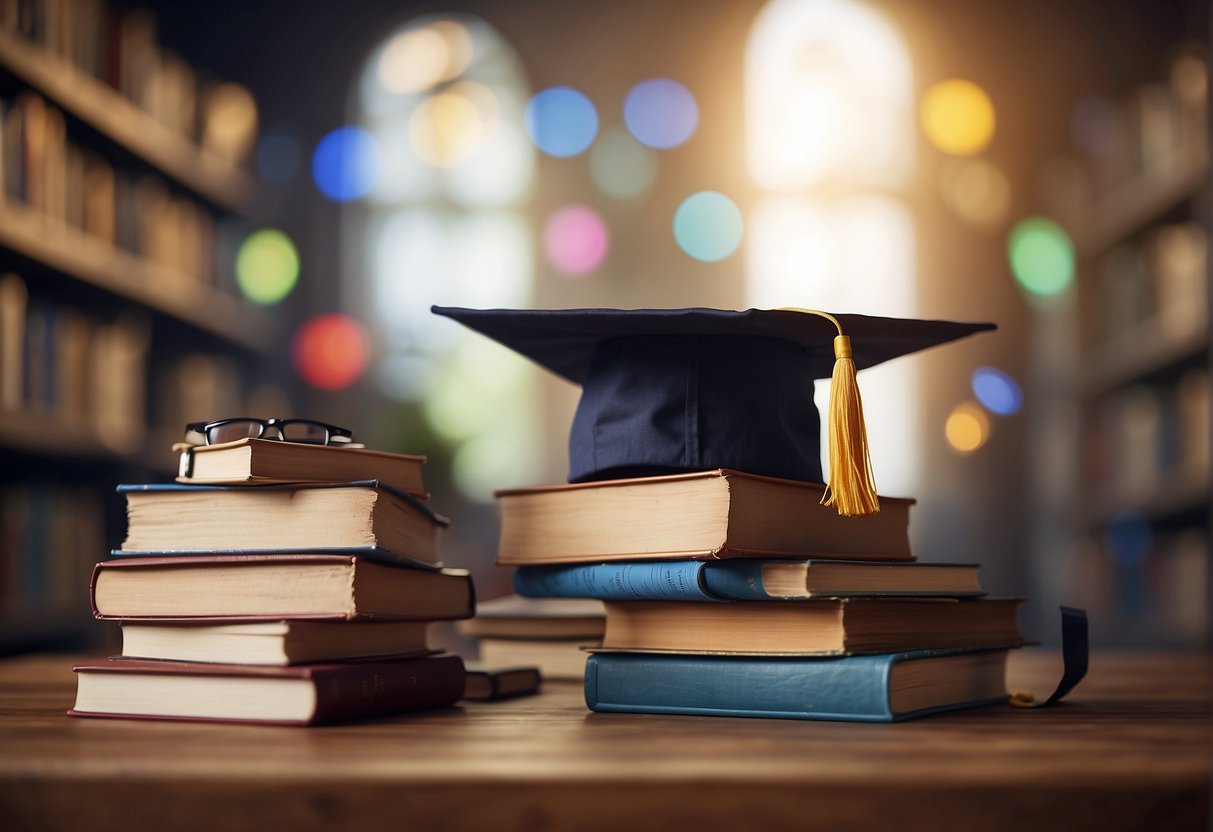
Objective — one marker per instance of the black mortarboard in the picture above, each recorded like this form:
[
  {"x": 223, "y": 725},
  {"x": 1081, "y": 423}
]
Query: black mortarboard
[{"x": 669, "y": 390}]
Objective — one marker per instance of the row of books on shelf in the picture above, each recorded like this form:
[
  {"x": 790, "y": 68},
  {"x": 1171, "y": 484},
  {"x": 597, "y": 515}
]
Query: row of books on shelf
[
  {"x": 49, "y": 532},
  {"x": 1142, "y": 586},
  {"x": 1150, "y": 439},
  {"x": 1156, "y": 283},
  {"x": 119, "y": 45},
  {"x": 63, "y": 183},
  {"x": 72, "y": 367}
]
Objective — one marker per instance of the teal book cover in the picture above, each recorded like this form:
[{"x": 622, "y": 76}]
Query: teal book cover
[{"x": 881, "y": 688}]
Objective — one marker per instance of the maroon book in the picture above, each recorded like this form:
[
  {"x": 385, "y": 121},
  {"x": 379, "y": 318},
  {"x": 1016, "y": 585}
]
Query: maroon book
[{"x": 299, "y": 695}]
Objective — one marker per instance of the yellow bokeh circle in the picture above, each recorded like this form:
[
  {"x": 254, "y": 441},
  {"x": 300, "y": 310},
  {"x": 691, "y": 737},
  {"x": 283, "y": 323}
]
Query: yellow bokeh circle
[
  {"x": 967, "y": 428},
  {"x": 958, "y": 117}
]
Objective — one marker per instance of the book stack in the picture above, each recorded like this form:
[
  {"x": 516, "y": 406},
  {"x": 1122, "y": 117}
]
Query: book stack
[
  {"x": 729, "y": 593},
  {"x": 277, "y": 582},
  {"x": 546, "y": 633}
]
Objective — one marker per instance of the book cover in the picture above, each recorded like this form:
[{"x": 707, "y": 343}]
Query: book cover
[
  {"x": 299, "y": 695},
  {"x": 743, "y": 580},
  {"x": 880, "y": 688}
]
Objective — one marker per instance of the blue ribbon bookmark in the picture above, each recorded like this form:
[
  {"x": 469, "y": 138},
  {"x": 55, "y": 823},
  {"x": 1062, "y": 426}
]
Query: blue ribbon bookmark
[{"x": 1074, "y": 655}]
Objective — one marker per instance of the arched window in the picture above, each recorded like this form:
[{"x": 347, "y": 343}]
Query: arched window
[
  {"x": 830, "y": 136},
  {"x": 442, "y": 98}
]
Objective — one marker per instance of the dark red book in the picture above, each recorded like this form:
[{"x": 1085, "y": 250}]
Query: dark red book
[{"x": 298, "y": 695}]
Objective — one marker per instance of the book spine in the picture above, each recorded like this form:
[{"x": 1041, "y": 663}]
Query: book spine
[
  {"x": 623, "y": 581},
  {"x": 853, "y": 689},
  {"x": 357, "y": 690}
]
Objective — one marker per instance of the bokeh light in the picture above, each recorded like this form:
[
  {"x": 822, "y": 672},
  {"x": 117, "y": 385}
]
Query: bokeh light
[
  {"x": 230, "y": 125},
  {"x": 561, "y": 121},
  {"x": 661, "y": 113},
  {"x": 330, "y": 351},
  {"x": 449, "y": 127},
  {"x": 958, "y": 117},
  {"x": 267, "y": 266},
  {"x": 1042, "y": 256},
  {"x": 996, "y": 390},
  {"x": 1190, "y": 76},
  {"x": 417, "y": 59},
  {"x": 967, "y": 427},
  {"x": 621, "y": 166},
  {"x": 575, "y": 239},
  {"x": 976, "y": 191},
  {"x": 708, "y": 226},
  {"x": 278, "y": 157},
  {"x": 345, "y": 164}
]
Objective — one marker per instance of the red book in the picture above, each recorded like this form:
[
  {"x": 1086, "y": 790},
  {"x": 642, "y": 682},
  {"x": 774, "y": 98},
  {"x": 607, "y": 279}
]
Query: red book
[{"x": 299, "y": 695}]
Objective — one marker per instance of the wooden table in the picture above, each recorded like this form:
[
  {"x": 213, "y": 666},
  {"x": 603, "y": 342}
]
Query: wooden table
[{"x": 1129, "y": 750}]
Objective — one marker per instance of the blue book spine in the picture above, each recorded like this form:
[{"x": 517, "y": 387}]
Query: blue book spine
[
  {"x": 850, "y": 688},
  {"x": 678, "y": 580}
]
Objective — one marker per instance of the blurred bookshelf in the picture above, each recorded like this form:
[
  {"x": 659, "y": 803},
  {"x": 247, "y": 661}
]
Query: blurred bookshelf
[
  {"x": 1137, "y": 555},
  {"x": 124, "y": 193}
]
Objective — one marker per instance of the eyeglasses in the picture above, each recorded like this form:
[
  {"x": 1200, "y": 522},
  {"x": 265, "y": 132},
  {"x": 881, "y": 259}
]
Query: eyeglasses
[{"x": 308, "y": 431}]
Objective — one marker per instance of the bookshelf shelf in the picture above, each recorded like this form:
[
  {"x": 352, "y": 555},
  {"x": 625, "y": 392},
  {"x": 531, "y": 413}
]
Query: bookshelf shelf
[
  {"x": 1169, "y": 502},
  {"x": 110, "y": 114},
  {"x": 107, "y": 267},
  {"x": 1141, "y": 353},
  {"x": 51, "y": 436}
]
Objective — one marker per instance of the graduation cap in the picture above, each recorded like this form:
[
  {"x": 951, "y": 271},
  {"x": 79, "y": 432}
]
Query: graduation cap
[{"x": 672, "y": 390}]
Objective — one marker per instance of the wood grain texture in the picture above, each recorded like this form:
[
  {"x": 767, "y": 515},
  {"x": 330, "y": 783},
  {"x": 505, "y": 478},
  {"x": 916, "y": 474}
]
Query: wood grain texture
[{"x": 1129, "y": 750}]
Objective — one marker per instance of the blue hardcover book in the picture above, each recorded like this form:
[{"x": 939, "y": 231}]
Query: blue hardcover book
[
  {"x": 882, "y": 688},
  {"x": 379, "y": 521},
  {"x": 745, "y": 580}
]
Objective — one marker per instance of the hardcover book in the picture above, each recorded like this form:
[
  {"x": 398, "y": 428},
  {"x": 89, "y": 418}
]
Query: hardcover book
[
  {"x": 272, "y": 642},
  {"x": 302, "y": 695},
  {"x": 743, "y": 580},
  {"x": 491, "y": 683},
  {"x": 702, "y": 515},
  {"x": 279, "y": 517},
  {"x": 269, "y": 586},
  {"x": 821, "y": 627},
  {"x": 267, "y": 461},
  {"x": 881, "y": 688}
]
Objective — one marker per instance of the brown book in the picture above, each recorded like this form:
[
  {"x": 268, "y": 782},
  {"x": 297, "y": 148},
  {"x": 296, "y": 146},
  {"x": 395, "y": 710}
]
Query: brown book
[
  {"x": 704, "y": 515},
  {"x": 555, "y": 658},
  {"x": 265, "y": 461},
  {"x": 276, "y": 586},
  {"x": 536, "y": 618},
  {"x": 832, "y": 627},
  {"x": 301, "y": 518},
  {"x": 489, "y": 683},
  {"x": 303, "y": 695},
  {"x": 272, "y": 642}
]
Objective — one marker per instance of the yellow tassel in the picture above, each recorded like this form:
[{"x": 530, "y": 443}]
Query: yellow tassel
[{"x": 852, "y": 487}]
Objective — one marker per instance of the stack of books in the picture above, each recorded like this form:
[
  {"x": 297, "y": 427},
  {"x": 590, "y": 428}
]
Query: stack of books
[
  {"x": 546, "y": 633},
  {"x": 735, "y": 594},
  {"x": 277, "y": 582}
]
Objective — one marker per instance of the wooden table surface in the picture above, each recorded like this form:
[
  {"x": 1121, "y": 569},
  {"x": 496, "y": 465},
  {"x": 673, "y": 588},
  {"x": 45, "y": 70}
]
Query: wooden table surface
[{"x": 1130, "y": 749}]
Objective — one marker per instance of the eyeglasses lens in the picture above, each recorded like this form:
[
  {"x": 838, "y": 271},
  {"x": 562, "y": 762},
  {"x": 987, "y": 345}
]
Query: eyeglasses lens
[
  {"x": 309, "y": 432},
  {"x": 231, "y": 431}
]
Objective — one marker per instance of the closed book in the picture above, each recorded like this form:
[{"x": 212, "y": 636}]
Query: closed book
[
  {"x": 702, "y": 515},
  {"x": 301, "y": 695},
  {"x": 744, "y": 580},
  {"x": 555, "y": 658},
  {"x": 538, "y": 618},
  {"x": 823, "y": 627},
  {"x": 272, "y": 642},
  {"x": 260, "y": 587},
  {"x": 881, "y": 688},
  {"x": 267, "y": 461},
  {"x": 489, "y": 683},
  {"x": 303, "y": 517}
]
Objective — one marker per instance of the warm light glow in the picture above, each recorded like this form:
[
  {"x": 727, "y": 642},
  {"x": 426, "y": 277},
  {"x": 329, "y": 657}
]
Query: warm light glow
[
  {"x": 708, "y": 226},
  {"x": 561, "y": 121},
  {"x": 230, "y": 126},
  {"x": 447, "y": 128},
  {"x": 997, "y": 391},
  {"x": 330, "y": 351},
  {"x": 828, "y": 95},
  {"x": 267, "y": 266},
  {"x": 958, "y": 117},
  {"x": 1042, "y": 256},
  {"x": 661, "y": 113},
  {"x": 1190, "y": 77},
  {"x": 419, "y": 58},
  {"x": 621, "y": 166},
  {"x": 976, "y": 191},
  {"x": 967, "y": 428},
  {"x": 575, "y": 239},
  {"x": 345, "y": 164}
]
